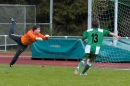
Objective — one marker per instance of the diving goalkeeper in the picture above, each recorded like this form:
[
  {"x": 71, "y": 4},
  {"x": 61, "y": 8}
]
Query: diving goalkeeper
[{"x": 23, "y": 41}]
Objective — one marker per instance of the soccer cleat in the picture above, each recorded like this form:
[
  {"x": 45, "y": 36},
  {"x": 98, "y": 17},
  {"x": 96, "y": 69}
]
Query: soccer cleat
[
  {"x": 83, "y": 74},
  {"x": 10, "y": 65},
  {"x": 76, "y": 71},
  {"x": 13, "y": 20}
]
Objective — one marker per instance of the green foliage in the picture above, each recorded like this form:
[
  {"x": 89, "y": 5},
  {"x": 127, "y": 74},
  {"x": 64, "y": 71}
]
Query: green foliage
[
  {"x": 13, "y": 2},
  {"x": 43, "y": 11},
  {"x": 27, "y": 75},
  {"x": 71, "y": 15}
]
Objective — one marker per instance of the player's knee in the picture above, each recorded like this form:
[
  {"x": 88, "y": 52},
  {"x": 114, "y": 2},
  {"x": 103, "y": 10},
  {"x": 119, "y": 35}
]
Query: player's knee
[{"x": 83, "y": 61}]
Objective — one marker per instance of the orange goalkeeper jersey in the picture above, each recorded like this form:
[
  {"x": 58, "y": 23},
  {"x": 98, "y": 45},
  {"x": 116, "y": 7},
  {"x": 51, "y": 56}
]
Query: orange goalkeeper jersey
[{"x": 30, "y": 37}]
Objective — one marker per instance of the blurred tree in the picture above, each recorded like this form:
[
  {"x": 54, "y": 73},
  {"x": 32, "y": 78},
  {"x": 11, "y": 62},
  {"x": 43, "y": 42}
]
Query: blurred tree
[
  {"x": 69, "y": 16},
  {"x": 13, "y": 2}
]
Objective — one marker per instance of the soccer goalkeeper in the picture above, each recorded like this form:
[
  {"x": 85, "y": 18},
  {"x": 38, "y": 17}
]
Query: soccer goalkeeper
[
  {"x": 94, "y": 38},
  {"x": 23, "y": 41}
]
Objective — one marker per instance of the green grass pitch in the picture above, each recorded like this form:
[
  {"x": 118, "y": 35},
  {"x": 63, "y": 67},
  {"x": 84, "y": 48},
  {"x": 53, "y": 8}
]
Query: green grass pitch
[{"x": 36, "y": 75}]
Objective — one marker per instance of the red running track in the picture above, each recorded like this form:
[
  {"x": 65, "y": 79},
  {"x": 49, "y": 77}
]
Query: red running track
[{"x": 25, "y": 59}]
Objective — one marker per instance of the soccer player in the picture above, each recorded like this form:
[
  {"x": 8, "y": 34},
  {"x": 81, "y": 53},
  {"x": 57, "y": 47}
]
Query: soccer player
[
  {"x": 23, "y": 41},
  {"x": 94, "y": 38}
]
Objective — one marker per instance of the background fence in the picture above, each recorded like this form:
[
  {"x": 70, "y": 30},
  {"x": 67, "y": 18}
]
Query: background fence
[{"x": 24, "y": 14}]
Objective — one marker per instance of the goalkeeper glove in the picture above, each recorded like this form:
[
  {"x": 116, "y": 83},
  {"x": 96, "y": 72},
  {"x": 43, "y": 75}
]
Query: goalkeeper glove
[{"x": 39, "y": 39}]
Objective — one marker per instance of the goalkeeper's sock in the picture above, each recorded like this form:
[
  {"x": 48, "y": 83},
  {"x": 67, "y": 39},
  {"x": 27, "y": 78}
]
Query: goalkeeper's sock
[
  {"x": 81, "y": 63},
  {"x": 86, "y": 68}
]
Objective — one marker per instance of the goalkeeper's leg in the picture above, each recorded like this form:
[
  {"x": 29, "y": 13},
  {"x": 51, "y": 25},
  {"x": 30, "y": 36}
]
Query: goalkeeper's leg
[{"x": 12, "y": 26}]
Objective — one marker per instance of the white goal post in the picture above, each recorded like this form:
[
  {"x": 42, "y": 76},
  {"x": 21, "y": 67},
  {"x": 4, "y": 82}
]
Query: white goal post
[
  {"x": 114, "y": 15},
  {"x": 115, "y": 19}
]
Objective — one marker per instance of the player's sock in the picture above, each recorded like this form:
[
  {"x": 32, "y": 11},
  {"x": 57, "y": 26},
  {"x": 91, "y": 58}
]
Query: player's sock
[
  {"x": 81, "y": 63},
  {"x": 86, "y": 68}
]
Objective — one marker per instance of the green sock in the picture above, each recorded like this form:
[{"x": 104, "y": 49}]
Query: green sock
[
  {"x": 81, "y": 63},
  {"x": 86, "y": 68}
]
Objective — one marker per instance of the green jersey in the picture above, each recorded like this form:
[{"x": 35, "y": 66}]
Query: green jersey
[{"x": 94, "y": 39}]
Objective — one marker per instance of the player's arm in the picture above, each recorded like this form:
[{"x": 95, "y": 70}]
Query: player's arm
[
  {"x": 84, "y": 37},
  {"x": 32, "y": 36},
  {"x": 46, "y": 37},
  {"x": 106, "y": 32},
  {"x": 118, "y": 37}
]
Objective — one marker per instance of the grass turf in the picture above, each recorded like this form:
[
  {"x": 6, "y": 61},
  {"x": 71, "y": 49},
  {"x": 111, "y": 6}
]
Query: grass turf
[{"x": 35, "y": 75}]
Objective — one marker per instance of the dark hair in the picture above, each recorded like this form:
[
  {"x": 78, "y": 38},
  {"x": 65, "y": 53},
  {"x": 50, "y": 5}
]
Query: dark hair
[
  {"x": 35, "y": 27},
  {"x": 95, "y": 23}
]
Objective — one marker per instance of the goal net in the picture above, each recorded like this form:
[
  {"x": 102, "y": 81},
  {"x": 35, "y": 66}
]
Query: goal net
[{"x": 113, "y": 56}]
